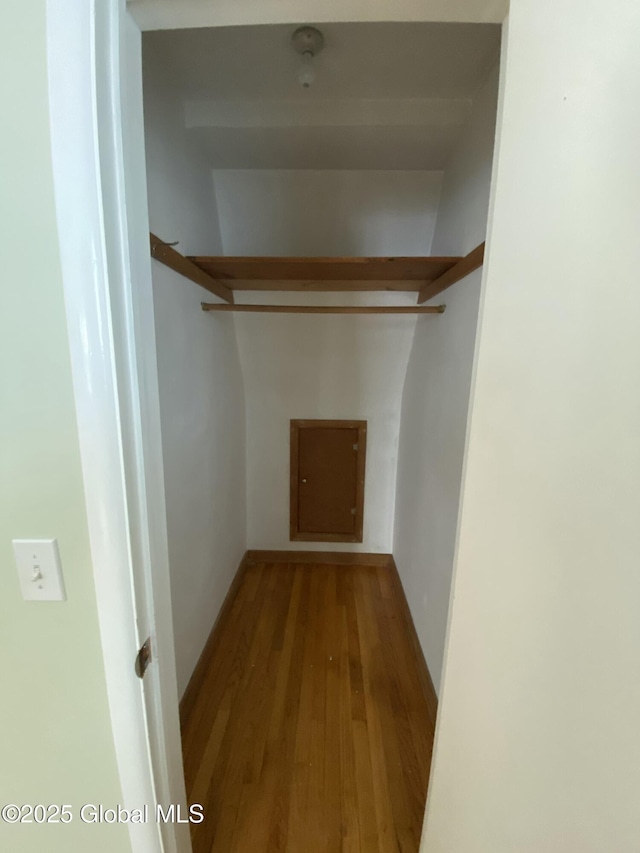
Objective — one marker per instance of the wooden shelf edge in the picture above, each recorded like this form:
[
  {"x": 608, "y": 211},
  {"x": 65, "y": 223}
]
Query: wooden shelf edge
[
  {"x": 412, "y": 269},
  {"x": 168, "y": 256},
  {"x": 324, "y": 259},
  {"x": 305, "y": 285},
  {"x": 466, "y": 265},
  {"x": 326, "y": 309}
]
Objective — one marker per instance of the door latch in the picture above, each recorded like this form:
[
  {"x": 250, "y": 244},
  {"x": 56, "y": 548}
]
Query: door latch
[{"x": 143, "y": 658}]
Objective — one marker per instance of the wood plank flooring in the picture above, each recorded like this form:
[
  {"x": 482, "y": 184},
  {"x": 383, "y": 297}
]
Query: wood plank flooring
[{"x": 310, "y": 731}]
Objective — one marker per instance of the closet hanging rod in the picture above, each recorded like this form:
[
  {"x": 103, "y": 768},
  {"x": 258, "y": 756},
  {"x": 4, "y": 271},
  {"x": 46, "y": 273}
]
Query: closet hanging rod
[{"x": 326, "y": 309}]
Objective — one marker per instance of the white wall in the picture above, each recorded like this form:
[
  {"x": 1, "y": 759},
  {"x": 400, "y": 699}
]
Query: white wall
[
  {"x": 538, "y": 743},
  {"x": 436, "y": 393},
  {"x": 464, "y": 204},
  {"x": 315, "y": 213},
  {"x": 201, "y": 389},
  {"x": 349, "y": 367},
  {"x": 56, "y": 737},
  {"x": 181, "y": 202},
  {"x": 310, "y": 366}
]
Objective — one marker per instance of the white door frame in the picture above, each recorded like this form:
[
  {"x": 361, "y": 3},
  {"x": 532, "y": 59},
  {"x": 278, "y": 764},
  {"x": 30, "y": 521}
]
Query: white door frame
[
  {"x": 100, "y": 194},
  {"x": 97, "y": 139}
]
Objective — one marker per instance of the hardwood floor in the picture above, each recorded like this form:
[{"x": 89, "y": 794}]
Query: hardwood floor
[{"x": 310, "y": 731}]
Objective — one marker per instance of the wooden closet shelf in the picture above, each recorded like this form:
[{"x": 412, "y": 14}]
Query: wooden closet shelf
[
  {"x": 427, "y": 276},
  {"x": 253, "y": 273}
]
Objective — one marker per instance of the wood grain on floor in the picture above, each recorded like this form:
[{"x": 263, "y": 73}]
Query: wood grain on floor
[{"x": 310, "y": 731}]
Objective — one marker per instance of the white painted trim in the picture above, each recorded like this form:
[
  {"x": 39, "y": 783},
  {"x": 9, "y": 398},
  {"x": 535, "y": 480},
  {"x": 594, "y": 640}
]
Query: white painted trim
[
  {"x": 169, "y": 14},
  {"x": 123, "y": 491},
  {"x": 147, "y": 502}
]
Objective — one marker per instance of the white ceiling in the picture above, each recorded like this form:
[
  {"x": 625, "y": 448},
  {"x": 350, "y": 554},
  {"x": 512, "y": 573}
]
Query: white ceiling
[{"x": 386, "y": 96}]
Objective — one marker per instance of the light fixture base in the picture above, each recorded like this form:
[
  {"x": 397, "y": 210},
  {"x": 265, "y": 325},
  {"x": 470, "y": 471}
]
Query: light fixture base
[{"x": 307, "y": 40}]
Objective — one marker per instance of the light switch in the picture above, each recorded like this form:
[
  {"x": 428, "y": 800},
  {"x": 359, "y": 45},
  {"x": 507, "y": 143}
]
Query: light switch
[{"x": 39, "y": 569}]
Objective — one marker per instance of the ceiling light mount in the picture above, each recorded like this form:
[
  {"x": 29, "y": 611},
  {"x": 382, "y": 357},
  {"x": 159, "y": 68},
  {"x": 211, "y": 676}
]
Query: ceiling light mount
[{"x": 308, "y": 42}]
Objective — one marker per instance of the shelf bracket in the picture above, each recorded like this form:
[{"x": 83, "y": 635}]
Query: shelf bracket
[
  {"x": 464, "y": 266},
  {"x": 167, "y": 255}
]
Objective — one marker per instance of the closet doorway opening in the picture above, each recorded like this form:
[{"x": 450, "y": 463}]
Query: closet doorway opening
[{"x": 327, "y": 207}]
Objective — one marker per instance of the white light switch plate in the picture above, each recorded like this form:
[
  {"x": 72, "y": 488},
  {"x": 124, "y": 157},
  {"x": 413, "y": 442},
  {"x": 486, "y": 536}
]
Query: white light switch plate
[{"x": 39, "y": 569}]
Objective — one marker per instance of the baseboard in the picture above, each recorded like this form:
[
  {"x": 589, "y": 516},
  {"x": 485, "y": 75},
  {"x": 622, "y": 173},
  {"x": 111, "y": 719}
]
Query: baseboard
[
  {"x": 426, "y": 681},
  {"x": 334, "y": 558},
  {"x": 198, "y": 675}
]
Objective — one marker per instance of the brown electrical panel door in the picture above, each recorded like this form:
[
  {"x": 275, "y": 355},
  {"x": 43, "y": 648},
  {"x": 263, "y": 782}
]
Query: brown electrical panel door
[{"x": 327, "y": 480}]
